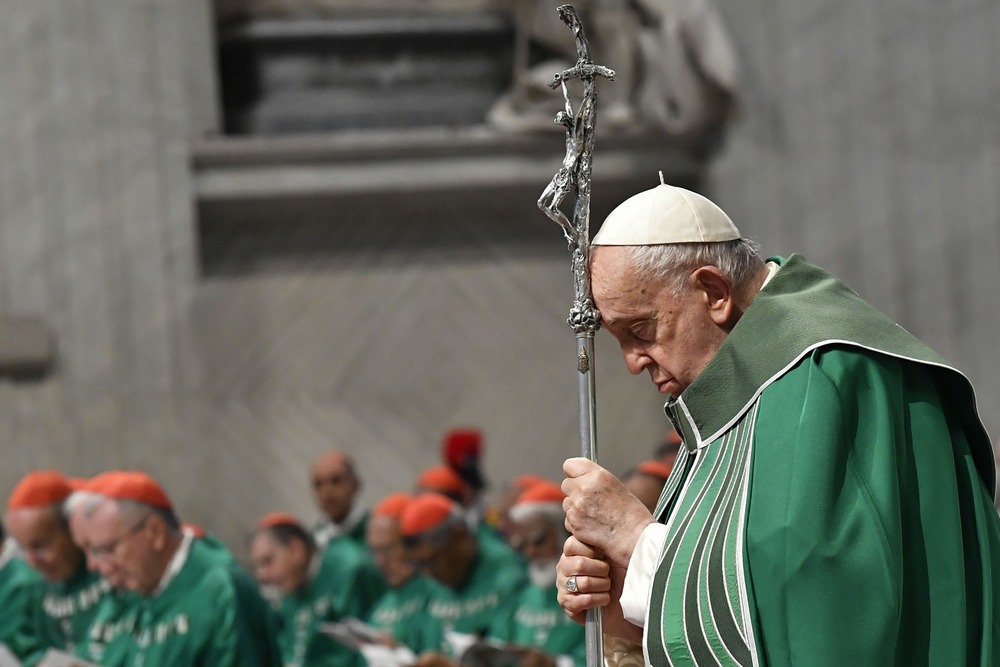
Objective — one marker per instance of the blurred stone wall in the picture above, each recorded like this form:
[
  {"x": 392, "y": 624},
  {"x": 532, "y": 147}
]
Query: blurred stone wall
[{"x": 869, "y": 142}]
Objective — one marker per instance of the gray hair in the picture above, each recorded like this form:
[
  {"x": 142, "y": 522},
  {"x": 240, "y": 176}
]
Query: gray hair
[
  {"x": 84, "y": 502},
  {"x": 738, "y": 260},
  {"x": 132, "y": 511}
]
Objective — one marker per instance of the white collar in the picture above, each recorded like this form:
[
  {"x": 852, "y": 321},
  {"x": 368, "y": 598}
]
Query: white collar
[
  {"x": 329, "y": 530},
  {"x": 9, "y": 552},
  {"x": 176, "y": 562},
  {"x": 772, "y": 268}
]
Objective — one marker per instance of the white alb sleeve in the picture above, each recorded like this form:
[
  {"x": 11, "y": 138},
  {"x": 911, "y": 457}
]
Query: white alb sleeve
[{"x": 639, "y": 576}]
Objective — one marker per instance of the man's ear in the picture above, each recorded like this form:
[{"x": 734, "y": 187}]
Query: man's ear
[
  {"x": 717, "y": 294},
  {"x": 158, "y": 529},
  {"x": 299, "y": 549}
]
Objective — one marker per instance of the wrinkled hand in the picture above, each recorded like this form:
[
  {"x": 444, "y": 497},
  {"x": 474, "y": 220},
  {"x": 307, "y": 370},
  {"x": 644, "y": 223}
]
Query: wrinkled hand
[
  {"x": 593, "y": 579},
  {"x": 599, "y": 584},
  {"x": 601, "y": 512}
]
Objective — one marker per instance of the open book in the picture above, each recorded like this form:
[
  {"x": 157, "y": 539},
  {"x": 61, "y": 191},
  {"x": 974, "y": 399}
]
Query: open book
[
  {"x": 56, "y": 658},
  {"x": 7, "y": 658},
  {"x": 368, "y": 641}
]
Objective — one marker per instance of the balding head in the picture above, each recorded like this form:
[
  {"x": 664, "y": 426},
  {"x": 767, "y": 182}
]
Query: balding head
[
  {"x": 44, "y": 537},
  {"x": 34, "y": 518},
  {"x": 335, "y": 484}
]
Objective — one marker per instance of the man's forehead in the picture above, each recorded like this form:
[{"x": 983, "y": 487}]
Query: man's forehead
[
  {"x": 32, "y": 518},
  {"x": 263, "y": 542},
  {"x": 106, "y": 513},
  {"x": 332, "y": 463},
  {"x": 618, "y": 312}
]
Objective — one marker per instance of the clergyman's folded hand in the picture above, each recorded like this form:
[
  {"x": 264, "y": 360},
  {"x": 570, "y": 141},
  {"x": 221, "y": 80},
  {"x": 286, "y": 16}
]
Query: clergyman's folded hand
[{"x": 601, "y": 512}]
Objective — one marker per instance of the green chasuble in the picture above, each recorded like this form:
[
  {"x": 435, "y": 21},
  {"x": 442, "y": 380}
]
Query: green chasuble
[
  {"x": 354, "y": 579},
  {"x": 109, "y": 637},
  {"x": 402, "y": 613},
  {"x": 833, "y": 501},
  {"x": 539, "y": 622},
  {"x": 208, "y": 615},
  {"x": 487, "y": 594},
  {"x": 492, "y": 539},
  {"x": 353, "y": 528},
  {"x": 69, "y": 607},
  {"x": 302, "y": 642},
  {"x": 214, "y": 547},
  {"x": 21, "y": 592},
  {"x": 107, "y": 642}
]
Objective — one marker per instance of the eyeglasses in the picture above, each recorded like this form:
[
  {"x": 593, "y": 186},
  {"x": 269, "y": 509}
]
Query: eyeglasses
[
  {"x": 534, "y": 540},
  {"x": 111, "y": 548}
]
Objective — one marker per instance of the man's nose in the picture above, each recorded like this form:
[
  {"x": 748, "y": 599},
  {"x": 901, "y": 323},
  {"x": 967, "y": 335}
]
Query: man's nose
[{"x": 635, "y": 361}]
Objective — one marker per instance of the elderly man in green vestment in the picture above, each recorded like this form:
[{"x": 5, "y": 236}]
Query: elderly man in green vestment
[
  {"x": 35, "y": 519},
  {"x": 119, "y": 608},
  {"x": 536, "y": 629},
  {"x": 116, "y": 614},
  {"x": 400, "y": 611},
  {"x": 479, "y": 582},
  {"x": 195, "y": 608},
  {"x": 311, "y": 593},
  {"x": 832, "y": 502}
]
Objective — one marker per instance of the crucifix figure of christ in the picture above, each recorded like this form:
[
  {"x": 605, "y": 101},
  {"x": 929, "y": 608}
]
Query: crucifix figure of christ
[{"x": 574, "y": 174}]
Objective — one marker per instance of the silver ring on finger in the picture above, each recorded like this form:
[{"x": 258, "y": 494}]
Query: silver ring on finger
[{"x": 571, "y": 586}]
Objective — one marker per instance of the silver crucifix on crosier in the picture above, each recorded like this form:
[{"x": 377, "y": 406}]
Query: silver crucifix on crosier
[
  {"x": 584, "y": 319},
  {"x": 574, "y": 175}
]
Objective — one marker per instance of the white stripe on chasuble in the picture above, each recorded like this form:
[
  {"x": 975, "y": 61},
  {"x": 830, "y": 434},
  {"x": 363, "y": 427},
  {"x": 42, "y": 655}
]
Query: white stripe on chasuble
[{"x": 698, "y": 604}]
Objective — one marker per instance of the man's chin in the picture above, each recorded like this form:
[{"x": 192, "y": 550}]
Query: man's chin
[
  {"x": 543, "y": 574},
  {"x": 669, "y": 387}
]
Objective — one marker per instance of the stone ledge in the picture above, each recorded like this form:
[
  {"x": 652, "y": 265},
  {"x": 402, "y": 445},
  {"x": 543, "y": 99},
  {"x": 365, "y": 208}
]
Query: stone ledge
[
  {"x": 416, "y": 161},
  {"x": 367, "y": 27}
]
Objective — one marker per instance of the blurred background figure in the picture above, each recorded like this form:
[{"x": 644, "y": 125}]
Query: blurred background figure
[
  {"x": 667, "y": 450},
  {"x": 285, "y": 558},
  {"x": 336, "y": 486},
  {"x": 399, "y": 613},
  {"x": 196, "y": 608},
  {"x": 646, "y": 481},
  {"x": 499, "y": 514},
  {"x": 536, "y": 623},
  {"x": 117, "y": 611},
  {"x": 340, "y": 535},
  {"x": 478, "y": 580},
  {"x": 21, "y": 592},
  {"x": 462, "y": 451},
  {"x": 35, "y": 518},
  {"x": 442, "y": 479}
]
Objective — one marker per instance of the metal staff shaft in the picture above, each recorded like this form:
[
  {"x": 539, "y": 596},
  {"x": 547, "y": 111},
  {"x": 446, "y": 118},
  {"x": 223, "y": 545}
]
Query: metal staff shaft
[
  {"x": 574, "y": 176},
  {"x": 593, "y": 628}
]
